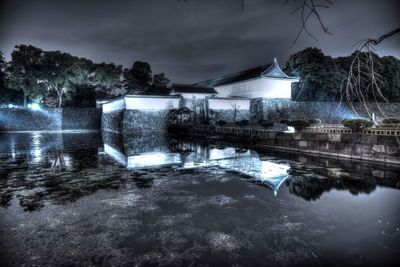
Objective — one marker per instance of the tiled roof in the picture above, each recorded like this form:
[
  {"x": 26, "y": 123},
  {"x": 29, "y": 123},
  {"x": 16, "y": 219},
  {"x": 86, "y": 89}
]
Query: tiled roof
[
  {"x": 271, "y": 70},
  {"x": 193, "y": 89}
]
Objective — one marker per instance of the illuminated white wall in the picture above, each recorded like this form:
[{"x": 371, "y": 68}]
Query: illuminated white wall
[
  {"x": 260, "y": 87},
  {"x": 228, "y": 103},
  {"x": 142, "y": 103},
  {"x": 115, "y": 105},
  {"x": 151, "y": 103}
]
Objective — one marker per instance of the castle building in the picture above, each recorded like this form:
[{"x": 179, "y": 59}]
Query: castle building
[{"x": 268, "y": 81}]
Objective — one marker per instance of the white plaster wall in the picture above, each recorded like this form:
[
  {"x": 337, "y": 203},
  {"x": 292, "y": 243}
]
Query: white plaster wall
[
  {"x": 261, "y": 87},
  {"x": 228, "y": 103},
  {"x": 151, "y": 103},
  {"x": 114, "y": 105}
]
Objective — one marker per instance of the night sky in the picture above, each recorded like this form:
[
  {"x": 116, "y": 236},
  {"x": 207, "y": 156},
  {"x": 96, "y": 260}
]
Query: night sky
[{"x": 191, "y": 41}]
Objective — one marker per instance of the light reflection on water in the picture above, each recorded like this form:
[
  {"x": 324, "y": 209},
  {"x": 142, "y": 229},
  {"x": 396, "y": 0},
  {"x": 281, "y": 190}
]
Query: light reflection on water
[
  {"x": 194, "y": 155},
  {"x": 86, "y": 199}
]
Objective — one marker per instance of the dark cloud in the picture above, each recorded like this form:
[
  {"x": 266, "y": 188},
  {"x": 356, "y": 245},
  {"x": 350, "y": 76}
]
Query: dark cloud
[{"x": 193, "y": 41}]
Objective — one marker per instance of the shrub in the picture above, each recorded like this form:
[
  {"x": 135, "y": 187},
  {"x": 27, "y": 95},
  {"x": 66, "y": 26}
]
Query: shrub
[
  {"x": 242, "y": 123},
  {"x": 221, "y": 123},
  {"x": 314, "y": 121},
  {"x": 391, "y": 120},
  {"x": 265, "y": 123},
  {"x": 206, "y": 122},
  {"x": 284, "y": 121},
  {"x": 299, "y": 124},
  {"x": 357, "y": 124}
]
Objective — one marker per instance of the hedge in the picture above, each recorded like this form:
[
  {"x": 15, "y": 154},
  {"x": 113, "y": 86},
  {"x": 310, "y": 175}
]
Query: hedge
[
  {"x": 242, "y": 123},
  {"x": 221, "y": 123},
  {"x": 299, "y": 124},
  {"x": 357, "y": 124}
]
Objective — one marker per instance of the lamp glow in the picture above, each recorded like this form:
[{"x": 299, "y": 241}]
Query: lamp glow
[{"x": 35, "y": 106}]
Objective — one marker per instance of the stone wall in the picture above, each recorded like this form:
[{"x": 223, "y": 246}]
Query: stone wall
[
  {"x": 329, "y": 112},
  {"x": 140, "y": 121},
  {"x": 81, "y": 118},
  {"x": 112, "y": 121},
  {"x": 135, "y": 121},
  {"x": 19, "y": 119},
  {"x": 354, "y": 146}
]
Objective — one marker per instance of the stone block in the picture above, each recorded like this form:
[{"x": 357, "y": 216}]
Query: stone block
[
  {"x": 303, "y": 143},
  {"x": 314, "y": 145},
  {"x": 272, "y": 135},
  {"x": 284, "y": 136},
  {"x": 351, "y": 138},
  {"x": 379, "y": 148},
  {"x": 334, "y": 137},
  {"x": 378, "y": 173},
  {"x": 321, "y": 137},
  {"x": 387, "y": 140},
  {"x": 369, "y": 139},
  {"x": 392, "y": 150},
  {"x": 297, "y": 136}
]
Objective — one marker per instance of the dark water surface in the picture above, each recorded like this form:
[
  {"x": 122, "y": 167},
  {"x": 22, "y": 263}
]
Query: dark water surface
[{"x": 72, "y": 199}]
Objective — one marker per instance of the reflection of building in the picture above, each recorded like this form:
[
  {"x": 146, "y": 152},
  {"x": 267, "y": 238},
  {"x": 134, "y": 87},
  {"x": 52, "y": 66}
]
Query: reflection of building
[{"x": 136, "y": 153}]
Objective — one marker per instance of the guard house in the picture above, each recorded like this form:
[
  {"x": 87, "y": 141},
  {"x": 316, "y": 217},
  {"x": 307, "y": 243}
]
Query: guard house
[
  {"x": 194, "y": 97},
  {"x": 267, "y": 81}
]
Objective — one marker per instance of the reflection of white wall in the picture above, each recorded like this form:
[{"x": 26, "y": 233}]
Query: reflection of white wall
[
  {"x": 260, "y": 87},
  {"x": 228, "y": 103},
  {"x": 155, "y": 159},
  {"x": 225, "y": 153},
  {"x": 115, "y": 154}
]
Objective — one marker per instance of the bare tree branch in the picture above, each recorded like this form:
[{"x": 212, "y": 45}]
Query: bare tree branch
[{"x": 308, "y": 9}]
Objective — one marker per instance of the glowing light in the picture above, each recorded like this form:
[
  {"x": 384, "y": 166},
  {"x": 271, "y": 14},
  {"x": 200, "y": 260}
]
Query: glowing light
[
  {"x": 290, "y": 129},
  {"x": 34, "y": 106}
]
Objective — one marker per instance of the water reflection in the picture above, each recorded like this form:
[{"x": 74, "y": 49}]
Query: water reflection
[
  {"x": 184, "y": 202},
  {"x": 185, "y": 154},
  {"x": 40, "y": 167}
]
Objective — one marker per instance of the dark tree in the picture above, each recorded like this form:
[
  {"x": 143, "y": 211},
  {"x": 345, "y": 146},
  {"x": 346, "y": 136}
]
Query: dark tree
[
  {"x": 24, "y": 72},
  {"x": 7, "y": 96},
  {"x": 323, "y": 77},
  {"x": 320, "y": 76},
  {"x": 107, "y": 76},
  {"x": 138, "y": 78},
  {"x": 161, "y": 85}
]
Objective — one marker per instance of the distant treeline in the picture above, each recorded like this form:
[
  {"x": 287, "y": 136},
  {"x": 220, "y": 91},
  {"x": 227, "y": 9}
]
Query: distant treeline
[
  {"x": 57, "y": 79},
  {"x": 322, "y": 76}
]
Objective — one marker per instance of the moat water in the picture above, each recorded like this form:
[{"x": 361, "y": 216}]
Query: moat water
[{"x": 87, "y": 199}]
